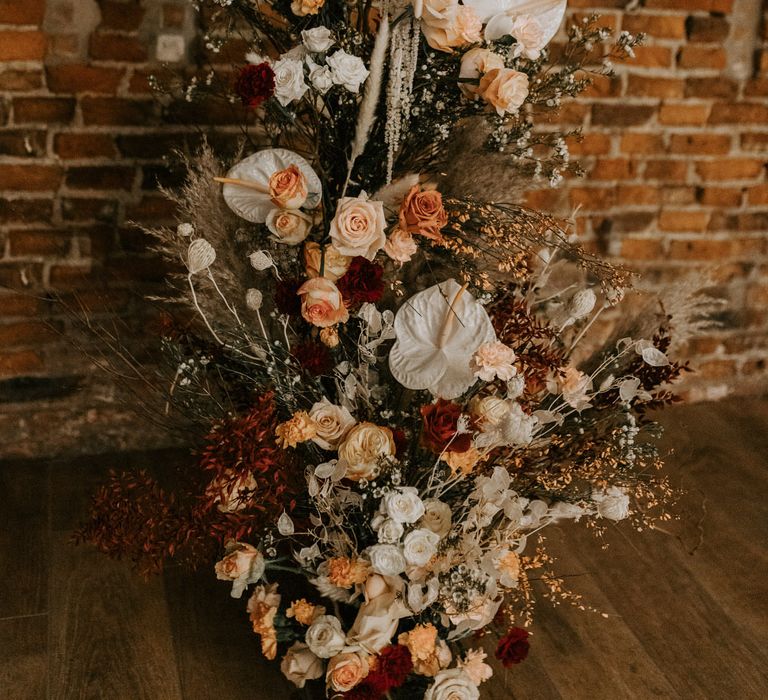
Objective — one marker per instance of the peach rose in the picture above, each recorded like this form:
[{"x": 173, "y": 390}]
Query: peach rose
[
  {"x": 329, "y": 336},
  {"x": 474, "y": 64},
  {"x": 302, "y": 8},
  {"x": 334, "y": 265},
  {"x": 400, "y": 245},
  {"x": 447, "y": 25},
  {"x": 243, "y": 565},
  {"x": 289, "y": 226},
  {"x": 362, "y": 448},
  {"x": 232, "y": 495},
  {"x": 321, "y": 303},
  {"x": 288, "y": 188},
  {"x": 422, "y": 212},
  {"x": 333, "y": 423},
  {"x": 346, "y": 670},
  {"x": 504, "y": 89},
  {"x": 358, "y": 227}
]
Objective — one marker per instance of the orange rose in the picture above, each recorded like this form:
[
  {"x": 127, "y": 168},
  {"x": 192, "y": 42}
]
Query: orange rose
[
  {"x": 288, "y": 188},
  {"x": 321, "y": 303},
  {"x": 334, "y": 265},
  {"x": 422, "y": 212},
  {"x": 504, "y": 89}
]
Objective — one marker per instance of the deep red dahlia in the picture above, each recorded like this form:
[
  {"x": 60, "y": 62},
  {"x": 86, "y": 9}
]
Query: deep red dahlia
[
  {"x": 439, "y": 426},
  {"x": 364, "y": 691},
  {"x": 362, "y": 282},
  {"x": 287, "y": 299},
  {"x": 313, "y": 357},
  {"x": 513, "y": 647},
  {"x": 255, "y": 84},
  {"x": 394, "y": 666}
]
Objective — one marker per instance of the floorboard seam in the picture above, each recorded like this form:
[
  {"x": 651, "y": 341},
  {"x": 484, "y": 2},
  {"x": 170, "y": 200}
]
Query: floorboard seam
[{"x": 23, "y": 617}]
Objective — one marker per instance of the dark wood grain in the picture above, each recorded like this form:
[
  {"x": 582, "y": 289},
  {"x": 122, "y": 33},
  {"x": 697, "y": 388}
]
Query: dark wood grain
[{"x": 24, "y": 658}]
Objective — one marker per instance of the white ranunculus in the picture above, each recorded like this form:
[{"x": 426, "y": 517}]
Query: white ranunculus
[
  {"x": 437, "y": 517},
  {"x": 289, "y": 80},
  {"x": 325, "y": 637},
  {"x": 452, "y": 684},
  {"x": 320, "y": 76},
  {"x": 612, "y": 504},
  {"x": 389, "y": 531},
  {"x": 387, "y": 559},
  {"x": 420, "y": 546},
  {"x": 403, "y": 504},
  {"x": 333, "y": 423},
  {"x": 300, "y": 665},
  {"x": 317, "y": 40},
  {"x": 347, "y": 70}
]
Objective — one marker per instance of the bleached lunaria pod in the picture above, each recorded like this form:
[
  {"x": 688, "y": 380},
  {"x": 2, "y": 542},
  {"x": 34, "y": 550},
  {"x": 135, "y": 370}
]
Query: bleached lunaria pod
[
  {"x": 500, "y": 15},
  {"x": 253, "y": 202},
  {"x": 438, "y": 330}
]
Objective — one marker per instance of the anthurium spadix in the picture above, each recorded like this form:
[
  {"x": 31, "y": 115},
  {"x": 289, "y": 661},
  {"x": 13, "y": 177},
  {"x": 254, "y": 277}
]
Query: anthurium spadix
[{"x": 438, "y": 330}]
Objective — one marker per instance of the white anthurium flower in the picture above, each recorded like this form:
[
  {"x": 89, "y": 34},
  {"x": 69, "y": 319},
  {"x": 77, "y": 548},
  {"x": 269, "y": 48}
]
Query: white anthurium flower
[
  {"x": 438, "y": 331},
  {"x": 500, "y": 15}
]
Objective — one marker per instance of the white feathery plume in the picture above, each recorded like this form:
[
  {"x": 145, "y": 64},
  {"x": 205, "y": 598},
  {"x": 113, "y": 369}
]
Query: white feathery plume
[{"x": 367, "y": 114}]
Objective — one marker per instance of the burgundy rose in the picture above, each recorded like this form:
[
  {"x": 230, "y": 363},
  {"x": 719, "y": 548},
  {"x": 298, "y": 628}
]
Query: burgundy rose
[
  {"x": 313, "y": 357},
  {"x": 362, "y": 282},
  {"x": 513, "y": 647},
  {"x": 255, "y": 84},
  {"x": 287, "y": 299},
  {"x": 439, "y": 428}
]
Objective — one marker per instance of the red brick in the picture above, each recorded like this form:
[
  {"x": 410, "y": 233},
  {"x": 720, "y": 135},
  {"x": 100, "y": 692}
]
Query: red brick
[
  {"x": 757, "y": 87},
  {"x": 22, "y": 11},
  {"x": 682, "y": 114},
  {"x": 117, "y": 47},
  {"x": 19, "y": 363},
  {"x": 29, "y": 177},
  {"x": 64, "y": 46},
  {"x": 84, "y": 145},
  {"x": 613, "y": 169},
  {"x": 699, "y": 249},
  {"x": 636, "y": 195},
  {"x": 44, "y": 110},
  {"x": 590, "y": 145},
  {"x": 692, "y": 221},
  {"x": 22, "y": 46},
  {"x": 659, "y": 26},
  {"x": 146, "y": 144},
  {"x": 20, "y": 80},
  {"x": 544, "y": 200},
  {"x": 24, "y": 333},
  {"x": 651, "y": 57},
  {"x": 730, "y": 168},
  {"x": 116, "y": 111},
  {"x": 701, "y": 57},
  {"x": 678, "y": 195},
  {"x": 621, "y": 115},
  {"x": 592, "y": 198},
  {"x": 723, "y": 6},
  {"x": 739, "y": 113},
  {"x": 602, "y": 86},
  {"x": 22, "y": 143},
  {"x": 700, "y": 143},
  {"x": 642, "y": 142},
  {"x": 151, "y": 209},
  {"x": 173, "y": 16},
  {"x": 666, "y": 88},
  {"x": 754, "y": 141},
  {"x": 711, "y": 88},
  {"x": 666, "y": 170},
  {"x": 139, "y": 82},
  {"x": 25, "y": 211},
  {"x": 42, "y": 242},
  {"x": 84, "y": 209},
  {"x": 12, "y": 305},
  {"x": 720, "y": 196},
  {"x": 76, "y": 78},
  {"x": 121, "y": 16},
  {"x": 641, "y": 249},
  {"x": 758, "y": 194},
  {"x": 707, "y": 29},
  {"x": 110, "y": 177},
  {"x": 70, "y": 276}
]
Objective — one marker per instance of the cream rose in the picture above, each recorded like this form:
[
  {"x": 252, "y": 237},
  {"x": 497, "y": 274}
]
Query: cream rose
[
  {"x": 321, "y": 303},
  {"x": 289, "y": 83},
  {"x": 387, "y": 559},
  {"x": 387, "y": 530},
  {"x": 494, "y": 360},
  {"x": 529, "y": 36},
  {"x": 243, "y": 565},
  {"x": 400, "y": 245},
  {"x": 289, "y": 226},
  {"x": 317, "y": 40},
  {"x": 334, "y": 265},
  {"x": 300, "y": 665},
  {"x": 346, "y": 670},
  {"x": 437, "y": 517},
  {"x": 333, "y": 423},
  {"x": 325, "y": 637},
  {"x": 288, "y": 188},
  {"x": 504, "y": 89},
  {"x": 447, "y": 25},
  {"x": 358, "y": 227},
  {"x": 475, "y": 63},
  {"x": 403, "y": 504},
  {"x": 419, "y": 546},
  {"x": 452, "y": 684},
  {"x": 362, "y": 448},
  {"x": 489, "y": 410},
  {"x": 347, "y": 70}
]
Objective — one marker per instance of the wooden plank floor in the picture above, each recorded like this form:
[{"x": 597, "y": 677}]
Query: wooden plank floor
[{"x": 687, "y": 608}]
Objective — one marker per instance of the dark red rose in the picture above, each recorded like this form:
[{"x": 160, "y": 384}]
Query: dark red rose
[
  {"x": 439, "y": 426},
  {"x": 401, "y": 441},
  {"x": 255, "y": 84},
  {"x": 313, "y": 357},
  {"x": 287, "y": 299},
  {"x": 362, "y": 282},
  {"x": 513, "y": 647}
]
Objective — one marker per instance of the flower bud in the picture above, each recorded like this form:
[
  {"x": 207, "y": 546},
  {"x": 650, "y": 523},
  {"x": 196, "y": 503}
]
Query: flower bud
[
  {"x": 253, "y": 299},
  {"x": 200, "y": 256},
  {"x": 581, "y": 303},
  {"x": 329, "y": 336},
  {"x": 261, "y": 260}
]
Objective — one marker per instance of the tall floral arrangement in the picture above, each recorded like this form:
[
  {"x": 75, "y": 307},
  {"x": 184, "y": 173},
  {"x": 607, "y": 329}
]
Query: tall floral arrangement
[{"x": 396, "y": 387}]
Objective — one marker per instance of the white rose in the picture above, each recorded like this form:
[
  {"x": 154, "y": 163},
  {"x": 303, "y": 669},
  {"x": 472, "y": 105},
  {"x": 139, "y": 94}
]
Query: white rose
[
  {"x": 325, "y": 637},
  {"x": 332, "y": 422},
  {"x": 358, "y": 227},
  {"x": 348, "y": 70},
  {"x": 363, "y": 447},
  {"x": 289, "y": 226},
  {"x": 420, "y": 546},
  {"x": 317, "y": 40},
  {"x": 300, "y": 665},
  {"x": 289, "y": 80},
  {"x": 387, "y": 559},
  {"x": 452, "y": 684},
  {"x": 389, "y": 531},
  {"x": 403, "y": 504},
  {"x": 612, "y": 504},
  {"x": 437, "y": 517},
  {"x": 320, "y": 76}
]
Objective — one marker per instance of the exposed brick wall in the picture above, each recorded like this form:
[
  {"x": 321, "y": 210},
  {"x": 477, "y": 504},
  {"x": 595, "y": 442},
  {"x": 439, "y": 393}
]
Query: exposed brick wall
[{"x": 675, "y": 147}]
